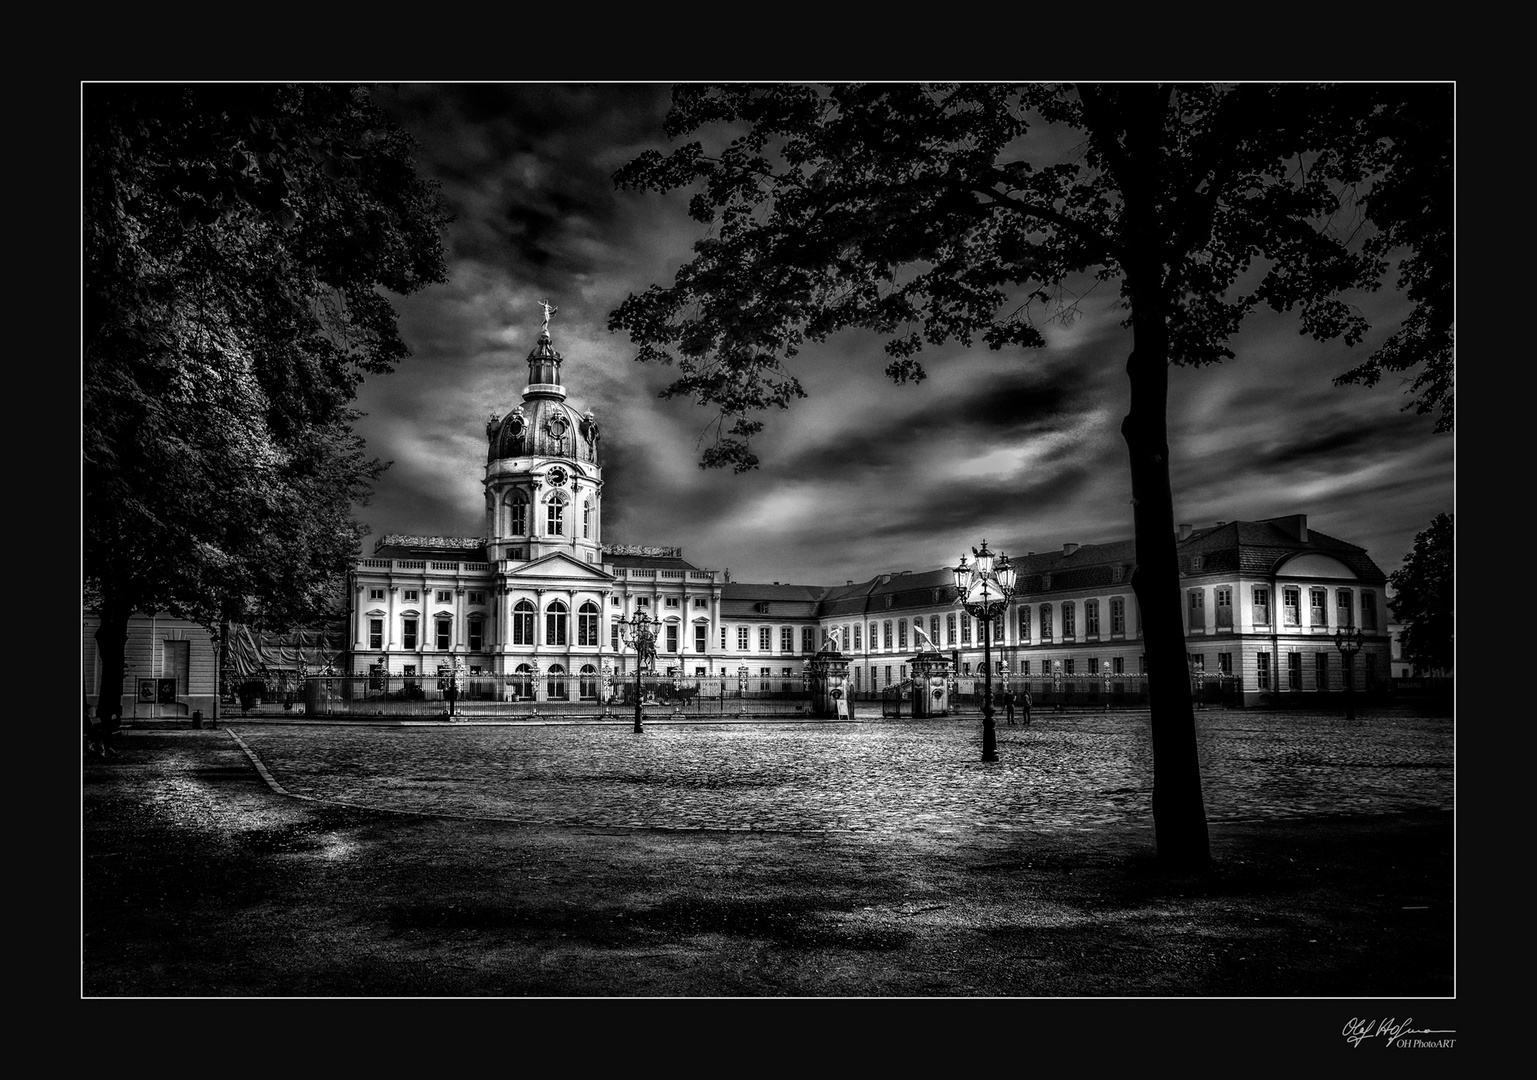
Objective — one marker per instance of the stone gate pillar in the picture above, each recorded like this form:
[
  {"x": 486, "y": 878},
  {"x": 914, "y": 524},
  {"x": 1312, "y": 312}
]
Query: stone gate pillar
[
  {"x": 931, "y": 685},
  {"x": 829, "y": 683}
]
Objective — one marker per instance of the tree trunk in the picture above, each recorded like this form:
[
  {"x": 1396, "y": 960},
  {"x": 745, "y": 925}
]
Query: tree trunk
[{"x": 111, "y": 647}]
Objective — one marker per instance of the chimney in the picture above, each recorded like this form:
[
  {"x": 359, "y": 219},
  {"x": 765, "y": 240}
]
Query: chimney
[
  {"x": 1184, "y": 530},
  {"x": 850, "y": 581},
  {"x": 1068, "y": 549}
]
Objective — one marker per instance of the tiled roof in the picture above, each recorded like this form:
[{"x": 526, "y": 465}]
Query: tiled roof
[{"x": 649, "y": 562}]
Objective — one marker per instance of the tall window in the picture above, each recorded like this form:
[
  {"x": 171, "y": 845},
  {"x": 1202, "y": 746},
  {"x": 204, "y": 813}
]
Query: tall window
[
  {"x": 1069, "y": 621},
  {"x": 587, "y": 519},
  {"x": 949, "y": 629},
  {"x": 1343, "y": 614},
  {"x": 1291, "y": 605},
  {"x": 587, "y": 624},
  {"x": 886, "y": 627},
  {"x": 442, "y": 633},
  {"x": 477, "y": 634},
  {"x": 1318, "y": 600},
  {"x": 1045, "y": 622},
  {"x": 613, "y": 636},
  {"x": 1197, "y": 609},
  {"x": 1262, "y": 607},
  {"x": 408, "y": 634},
  {"x": 588, "y": 688},
  {"x": 700, "y": 637},
  {"x": 1368, "y": 610},
  {"x": 1321, "y": 670},
  {"x": 1294, "y": 671},
  {"x": 787, "y": 639},
  {"x": 742, "y": 633},
  {"x": 1024, "y": 624},
  {"x": 672, "y": 638},
  {"x": 1224, "y": 599},
  {"x": 376, "y": 633},
  {"x": 1118, "y": 616},
  {"x": 1091, "y": 618},
  {"x": 519, "y": 514},
  {"x": 809, "y": 638},
  {"x": 765, "y": 639},
  {"x": 858, "y": 644},
  {"x": 934, "y": 629},
  {"x": 902, "y": 634},
  {"x": 557, "y": 687},
  {"x": 965, "y": 629},
  {"x": 1225, "y": 663},
  {"x": 555, "y": 623},
  {"x": 523, "y": 623},
  {"x": 555, "y": 518}
]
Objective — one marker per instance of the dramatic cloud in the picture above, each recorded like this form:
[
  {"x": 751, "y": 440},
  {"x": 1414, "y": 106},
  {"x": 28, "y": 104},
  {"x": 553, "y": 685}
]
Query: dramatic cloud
[{"x": 1022, "y": 447}]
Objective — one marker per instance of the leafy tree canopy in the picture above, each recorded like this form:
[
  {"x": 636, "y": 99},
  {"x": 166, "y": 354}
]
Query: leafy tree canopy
[
  {"x": 1424, "y": 594},
  {"x": 237, "y": 243}
]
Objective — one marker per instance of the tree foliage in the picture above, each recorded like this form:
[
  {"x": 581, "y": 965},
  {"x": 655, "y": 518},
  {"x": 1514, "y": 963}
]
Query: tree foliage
[
  {"x": 961, "y": 213},
  {"x": 1424, "y": 595},
  {"x": 237, "y": 240}
]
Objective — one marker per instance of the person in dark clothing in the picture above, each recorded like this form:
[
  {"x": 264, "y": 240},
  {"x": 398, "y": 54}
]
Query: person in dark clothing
[
  {"x": 1008, "y": 705},
  {"x": 1024, "y": 706},
  {"x": 109, "y": 728},
  {"x": 91, "y": 732}
]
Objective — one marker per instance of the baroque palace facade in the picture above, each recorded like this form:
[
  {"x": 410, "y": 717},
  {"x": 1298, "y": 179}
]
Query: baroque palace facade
[{"x": 534, "y": 602}]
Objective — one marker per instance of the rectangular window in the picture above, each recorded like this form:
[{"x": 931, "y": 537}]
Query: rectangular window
[
  {"x": 886, "y": 629},
  {"x": 1321, "y": 671},
  {"x": 902, "y": 634},
  {"x": 613, "y": 636},
  {"x": 1045, "y": 622},
  {"x": 1344, "y": 613},
  {"x": 408, "y": 635},
  {"x": 643, "y": 601},
  {"x": 806, "y": 642},
  {"x": 555, "y": 519},
  {"x": 934, "y": 631},
  {"x": 1368, "y": 610},
  {"x": 1291, "y": 605},
  {"x": 376, "y": 594},
  {"x": 670, "y": 601},
  {"x": 742, "y": 638},
  {"x": 1069, "y": 621},
  {"x": 412, "y": 596},
  {"x": 787, "y": 639},
  {"x": 1261, "y": 607},
  {"x": 672, "y": 638},
  {"x": 445, "y": 596},
  {"x": 1091, "y": 619},
  {"x": 376, "y": 633},
  {"x": 477, "y": 597},
  {"x": 1197, "y": 608},
  {"x": 723, "y": 637},
  {"x": 1197, "y": 663},
  {"x": 1117, "y": 665},
  {"x": 1225, "y": 663},
  {"x": 949, "y": 629},
  {"x": 1117, "y": 616},
  {"x": 965, "y": 629},
  {"x": 1224, "y": 599},
  {"x": 1318, "y": 600},
  {"x": 1024, "y": 625},
  {"x": 888, "y": 674},
  {"x": 1262, "y": 671},
  {"x": 1294, "y": 671},
  {"x": 1069, "y": 667},
  {"x": 701, "y": 636},
  {"x": 477, "y": 635},
  {"x": 442, "y": 635},
  {"x": 765, "y": 639},
  {"x": 701, "y": 602}
]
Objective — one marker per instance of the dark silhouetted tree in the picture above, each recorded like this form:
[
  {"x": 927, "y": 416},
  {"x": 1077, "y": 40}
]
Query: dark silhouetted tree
[
  {"x": 1423, "y": 598},
  {"x": 236, "y": 242},
  {"x": 936, "y": 213}
]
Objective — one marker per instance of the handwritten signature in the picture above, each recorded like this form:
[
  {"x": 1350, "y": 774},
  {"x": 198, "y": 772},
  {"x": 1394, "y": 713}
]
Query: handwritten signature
[{"x": 1358, "y": 1031}]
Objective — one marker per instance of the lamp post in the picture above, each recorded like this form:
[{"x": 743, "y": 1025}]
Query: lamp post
[
  {"x": 1349, "y": 644},
  {"x": 639, "y": 633},
  {"x": 983, "y": 589}
]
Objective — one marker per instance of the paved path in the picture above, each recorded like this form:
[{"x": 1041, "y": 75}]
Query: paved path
[{"x": 1064, "y": 772}]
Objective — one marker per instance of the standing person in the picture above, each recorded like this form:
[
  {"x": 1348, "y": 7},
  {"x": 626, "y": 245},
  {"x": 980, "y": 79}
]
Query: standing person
[
  {"x": 92, "y": 737},
  {"x": 1008, "y": 705},
  {"x": 1024, "y": 705},
  {"x": 109, "y": 728}
]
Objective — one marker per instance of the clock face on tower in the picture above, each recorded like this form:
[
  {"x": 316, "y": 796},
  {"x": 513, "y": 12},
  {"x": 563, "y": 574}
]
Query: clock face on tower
[{"x": 556, "y": 477}]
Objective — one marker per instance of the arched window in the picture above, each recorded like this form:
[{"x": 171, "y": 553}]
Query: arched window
[
  {"x": 587, "y": 519},
  {"x": 588, "y": 688},
  {"x": 557, "y": 687},
  {"x": 523, "y": 623},
  {"x": 587, "y": 624},
  {"x": 555, "y": 514},
  {"x": 521, "y": 683},
  {"x": 518, "y": 507},
  {"x": 556, "y": 618}
]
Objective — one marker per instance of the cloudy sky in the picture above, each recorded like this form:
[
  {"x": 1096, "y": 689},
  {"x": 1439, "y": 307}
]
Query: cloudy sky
[{"x": 1020, "y": 447}]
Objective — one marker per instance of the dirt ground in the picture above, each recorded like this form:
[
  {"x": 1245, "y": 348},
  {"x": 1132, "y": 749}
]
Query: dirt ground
[{"x": 223, "y": 888}]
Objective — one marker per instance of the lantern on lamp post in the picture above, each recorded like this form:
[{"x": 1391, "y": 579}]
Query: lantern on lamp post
[
  {"x": 1349, "y": 644},
  {"x": 983, "y": 589},
  {"x": 639, "y": 633}
]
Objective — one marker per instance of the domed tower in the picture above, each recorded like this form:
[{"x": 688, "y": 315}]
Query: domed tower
[{"x": 544, "y": 477}]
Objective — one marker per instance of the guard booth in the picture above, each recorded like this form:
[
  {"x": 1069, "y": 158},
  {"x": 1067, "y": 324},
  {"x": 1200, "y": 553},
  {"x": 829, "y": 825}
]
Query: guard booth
[
  {"x": 930, "y": 685},
  {"x": 829, "y": 678}
]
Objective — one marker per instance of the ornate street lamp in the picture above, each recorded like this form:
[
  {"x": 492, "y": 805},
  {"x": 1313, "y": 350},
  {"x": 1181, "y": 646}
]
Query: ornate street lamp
[
  {"x": 1349, "y": 644},
  {"x": 983, "y": 589},
  {"x": 639, "y": 633}
]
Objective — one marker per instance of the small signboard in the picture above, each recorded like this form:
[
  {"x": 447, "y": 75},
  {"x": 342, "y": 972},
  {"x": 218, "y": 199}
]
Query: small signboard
[
  {"x": 843, "y": 707},
  {"x": 167, "y": 692},
  {"x": 147, "y": 691}
]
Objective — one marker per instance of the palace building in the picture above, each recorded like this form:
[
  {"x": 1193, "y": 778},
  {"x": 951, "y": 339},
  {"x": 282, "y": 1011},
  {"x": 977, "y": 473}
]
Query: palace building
[{"x": 533, "y": 603}]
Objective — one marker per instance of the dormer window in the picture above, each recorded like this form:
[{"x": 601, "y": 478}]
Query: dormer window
[{"x": 1195, "y": 562}]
